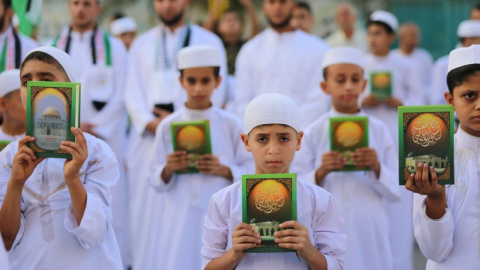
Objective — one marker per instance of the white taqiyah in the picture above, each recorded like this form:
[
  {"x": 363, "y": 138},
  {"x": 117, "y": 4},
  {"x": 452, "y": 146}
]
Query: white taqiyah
[
  {"x": 9, "y": 81},
  {"x": 385, "y": 17},
  {"x": 198, "y": 56},
  {"x": 464, "y": 56}
]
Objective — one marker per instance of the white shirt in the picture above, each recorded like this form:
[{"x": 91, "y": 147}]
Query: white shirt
[
  {"x": 184, "y": 200},
  {"x": 316, "y": 210},
  {"x": 26, "y": 44},
  {"x": 439, "y": 81},
  {"x": 49, "y": 236},
  {"x": 7, "y": 137},
  {"x": 453, "y": 241},
  {"x": 357, "y": 40},
  {"x": 285, "y": 63},
  {"x": 4, "y": 264},
  {"x": 358, "y": 194},
  {"x": 422, "y": 61}
]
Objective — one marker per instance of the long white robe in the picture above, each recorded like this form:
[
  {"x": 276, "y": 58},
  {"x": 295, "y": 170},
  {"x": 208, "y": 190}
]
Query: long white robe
[
  {"x": 178, "y": 208},
  {"x": 439, "y": 81},
  {"x": 49, "y": 236},
  {"x": 26, "y": 44},
  {"x": 288, "y": 63},
  {"x": 140, "y": 98},
  {"x": 358, "y": 40},
  {"x": 358, "y": 194},
  {"x": 422, "y": 61},
  {"x": 4, "y": 264},
  {"x": 453, "y": 241},
  {"x": 111, "y": 121},
  {"x": 407, "y": 87},
  {"x": 316, "y": 210}
]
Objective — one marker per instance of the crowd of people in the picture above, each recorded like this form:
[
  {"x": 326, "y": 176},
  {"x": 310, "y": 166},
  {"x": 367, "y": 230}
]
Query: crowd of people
[{"x": 120, "y": 202}]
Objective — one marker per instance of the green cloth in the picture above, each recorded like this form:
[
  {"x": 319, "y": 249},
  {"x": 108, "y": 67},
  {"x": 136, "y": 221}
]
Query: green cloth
[{"x": 232, "y": 52}]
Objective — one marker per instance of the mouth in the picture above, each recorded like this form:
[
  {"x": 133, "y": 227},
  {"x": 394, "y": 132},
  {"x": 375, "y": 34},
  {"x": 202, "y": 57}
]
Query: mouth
[
  {"x": 198, "y": 98},
  {"x": 274, "y": 162},
  {"x": 348, "y": 97}
]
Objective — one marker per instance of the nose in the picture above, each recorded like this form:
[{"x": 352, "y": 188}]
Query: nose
[{"x": 273, "y": 148}]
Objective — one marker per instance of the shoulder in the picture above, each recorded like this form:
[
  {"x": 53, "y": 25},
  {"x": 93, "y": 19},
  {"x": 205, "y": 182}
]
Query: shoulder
[
  {"x": 255, "y": 41},
  {"x": 165, "y": 124},
  {"x": 226, "y": 116},
  {"x": 204, "y": 34},
  {"x": 311, "y": 39},
  {"x": 97, "y": 147},
  {"x": 442, "y": 61},
  {"x": 140, "y": 41},
  {"x": 314, "y": 195},
  {"x": 28, "y": 42},
  {"x": 116, "y": 43},
  {"x": 228, "y": 195},
  {"x": 318, "y": 124}
]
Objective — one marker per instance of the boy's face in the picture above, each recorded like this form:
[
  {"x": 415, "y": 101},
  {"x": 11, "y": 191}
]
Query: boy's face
[
  {"x": 344, "y": 83},
  {"x": 12, "y": 107},
  {"x": 35, "y": 70},
  {"x": 199, "y": 83},
  {"x": 379, "y": 40},
  {"x": 272, "y": 147},
  {"x": 230, "y": 24},
  {"x": 302, "y": 19},
  {"x": 127, "y": 38},
  {"x": 466, "y": 101},
  {"x": 84, "y": 12}
]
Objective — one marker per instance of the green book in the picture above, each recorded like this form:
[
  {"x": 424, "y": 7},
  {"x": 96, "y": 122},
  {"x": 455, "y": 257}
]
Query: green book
[
  {"x": 381, "y": 84},
  {"x": 347, "y": 134},
  {"x": 267, "y": 201},
  {"x": 3, "y": 144},
  {"x": 52, "y": 109},
  {"x": 426, "y": 135},
  {"x": 192, "y": 137}
]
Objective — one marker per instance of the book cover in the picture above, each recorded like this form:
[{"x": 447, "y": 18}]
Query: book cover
[
  {"x": 192, "y": 137},
  {"x": 267, "y": 201},
  {"x": 426, "y": 135},
  {"x": 381, "y": 84},
  {"x": 347, "y": 134},
  {"x": 52, "y": 109}
]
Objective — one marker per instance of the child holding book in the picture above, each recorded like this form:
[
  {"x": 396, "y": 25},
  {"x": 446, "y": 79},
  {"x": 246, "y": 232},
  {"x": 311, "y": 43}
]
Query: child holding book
[
  {"x": 55, "y": 213},
  {"x": 13, "y": 126},
  {"x": 272, "y": 133},
  {"x": 182, "y": 199},
  {"x": 359, "y": 194},
  {"x": 445, "y": 218}
]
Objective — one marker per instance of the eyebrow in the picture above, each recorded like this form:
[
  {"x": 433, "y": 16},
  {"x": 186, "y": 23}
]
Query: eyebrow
[
  {"x": 268, "y": 134},
  {"x": 40, "y": 74}
]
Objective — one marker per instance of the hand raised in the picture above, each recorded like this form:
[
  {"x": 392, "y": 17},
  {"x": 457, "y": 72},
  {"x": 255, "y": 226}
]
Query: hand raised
[
  {"x": 24, "y": 161},
  {"x": 79, "y": 152}
]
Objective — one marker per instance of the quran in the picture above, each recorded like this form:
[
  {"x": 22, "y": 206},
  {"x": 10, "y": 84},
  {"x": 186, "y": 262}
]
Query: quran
[
  {"x": 52, "y": 109},
  {"x": 267, "y": 201},
  {"x": 426, "y": 135},
  {"x": 381, "y": 84}
]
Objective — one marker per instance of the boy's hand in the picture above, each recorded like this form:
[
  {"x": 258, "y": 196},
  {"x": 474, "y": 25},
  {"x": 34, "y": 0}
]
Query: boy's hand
[
  {"x": 370, "y": 101},
  {"x": 366, "y": 157},
  {"x": 160, "y": 114},
  {"x": 296, "y": 238},
  {"x": 24, "y": 162},
  {"x": 243, "y": 237},
  {"x": 79, "y": 152},
  {"x": 209, "y": 164},
  {"x": 178, "y": 160},
  {"x": 393, "y": 102},
  {"x": 436, "y": 196}
]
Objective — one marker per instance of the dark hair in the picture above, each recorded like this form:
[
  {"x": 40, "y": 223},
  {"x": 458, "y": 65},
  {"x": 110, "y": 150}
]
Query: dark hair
[
  {"x": 43, "y": 57},
  {"x": 459, "y": 75},
  {"x": 304, "y": 5},
  {"x": 216, "y": 72},
  {"x": 476, "y": 6},
  {"x": 325, "y": 72},
  {"x": 117, "y": 15},
  {"x": 7, "y": 4},
  {"x": 385, "y": 26}
]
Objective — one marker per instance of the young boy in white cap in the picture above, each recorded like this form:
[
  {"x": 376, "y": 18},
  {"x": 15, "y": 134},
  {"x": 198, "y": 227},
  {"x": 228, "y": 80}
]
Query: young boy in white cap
[
  {"x": 358, "y": 194},
  {"x": 407, "y": 89},
  {"x": 272, "y": 133},
  {"x": 14, "y": 115},
  {"x": 182, "y": 199},
  {"x": 55, "y": 213},
  {"x": 446, "y": 222},
  {"x": 125, "y": 30}
]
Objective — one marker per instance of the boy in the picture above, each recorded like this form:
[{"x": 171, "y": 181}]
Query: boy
[
  {"x": 55, "y": 213},
  {"x": 183, "y": 198},
  {"x": 446, "y": 219},
  {"x": 359, "y": 194},
  {"x": 14, "y": 115},
  {"x": 272, "y": 133}
]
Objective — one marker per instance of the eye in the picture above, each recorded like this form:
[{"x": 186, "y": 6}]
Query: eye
[
  {"x": 340, "y": 80},
  {"x": 469, "y": 95},
  {"x": 284, "y": 139},
  {"x": 261, "y": 139}
]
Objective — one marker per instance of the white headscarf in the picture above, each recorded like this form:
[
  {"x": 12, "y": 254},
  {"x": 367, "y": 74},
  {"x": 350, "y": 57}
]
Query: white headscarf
[{"x": 62, "y": 58}]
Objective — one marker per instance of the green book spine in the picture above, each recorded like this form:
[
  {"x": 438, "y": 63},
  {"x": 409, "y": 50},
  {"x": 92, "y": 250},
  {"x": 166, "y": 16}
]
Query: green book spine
[
  {"x": 426, "y": 135},
  {"x": 52, "y": 109},
  {"x": 267, "y": 201}
]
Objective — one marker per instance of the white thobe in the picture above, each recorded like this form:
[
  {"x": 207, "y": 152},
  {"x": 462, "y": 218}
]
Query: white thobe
[
  {"x": 453, "y": 241},
  {"x": 49, "y": 236},
  {"x": 316, "y": 210},
  {"x": 7, "y": 137},
  {"x": 178, "y": 208},
  {"x": 407, "y": 87},
  {"x": 357, "y": 40},
  {"x": 439, "y": 81},
  {"x": 422, "y": 61},
  {"x": 284, "y": 63},
  {"x": 140, "y": 99},
  {"x": 4, "y": 264},
  {"x": 26, "y": 44},
  {"x": 358, "y": 194},
  {"x": 111, "y": 121}
]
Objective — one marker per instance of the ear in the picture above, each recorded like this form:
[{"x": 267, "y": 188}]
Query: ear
[
  {"x": 3, "y": 106},
  {"x": 364, "y": 86},
  {"x": 299, "y": 141},
  {"x": 391, "y": 39},
  {"x": 448, "y": 98},
  {"x": 219, "y": 80},
  {"x": 180, "y": 80},
  {"x": 323, "y": 85},
  {"x": 245, "y": 141}
]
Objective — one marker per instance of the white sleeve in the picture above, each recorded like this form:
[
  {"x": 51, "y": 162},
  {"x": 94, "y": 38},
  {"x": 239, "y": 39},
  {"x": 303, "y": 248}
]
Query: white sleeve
[
  {"x": 136, "y": 99},
  {"x": 159, "y": 161},
  {"x": 244, "y": 81},
  {"x": 101, "y": 174},
  {"x": 4, "y": 264},
  {"x": 328, "y": 233},
  {"x": 434, "y": 237},
  {"x": 304, "y": 162}
]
